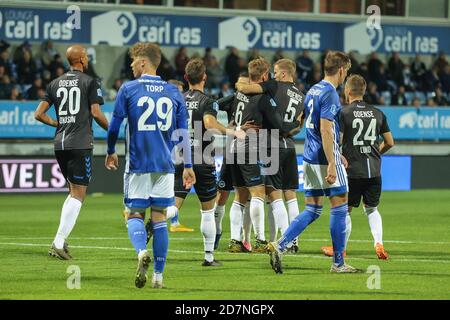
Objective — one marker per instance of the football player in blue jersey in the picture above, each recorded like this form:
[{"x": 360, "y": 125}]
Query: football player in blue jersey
[
  {"x": 324, "y": 171},
  {"x": 157, "y": 120}
]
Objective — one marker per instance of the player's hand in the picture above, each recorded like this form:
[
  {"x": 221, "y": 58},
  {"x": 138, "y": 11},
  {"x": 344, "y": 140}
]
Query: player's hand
[
  {"x": 344, "y": 162},
  {"x": 112, "y": 162},
  {"x": 188, "y": 178},
  {"x": 331, "y": 173},
  {"x": 250, "y": 125}
]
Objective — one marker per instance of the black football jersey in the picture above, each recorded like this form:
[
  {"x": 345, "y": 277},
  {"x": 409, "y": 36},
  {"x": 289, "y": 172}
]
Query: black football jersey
[
  {"x": 198, "y": 105},
  {"x": 72, "y": 94},
  {"x": 290, "y": 103},
  {"x": 362, "y": 125}
]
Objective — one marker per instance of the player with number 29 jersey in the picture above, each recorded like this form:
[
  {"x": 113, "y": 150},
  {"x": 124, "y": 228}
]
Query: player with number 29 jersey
[{"x": 154, "y": 109}]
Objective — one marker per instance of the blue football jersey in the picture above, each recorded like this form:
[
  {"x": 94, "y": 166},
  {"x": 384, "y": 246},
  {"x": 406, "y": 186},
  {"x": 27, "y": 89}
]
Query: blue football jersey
[
  {"x": 321, "y": 102},
  {"x": 154, "y": 109}
]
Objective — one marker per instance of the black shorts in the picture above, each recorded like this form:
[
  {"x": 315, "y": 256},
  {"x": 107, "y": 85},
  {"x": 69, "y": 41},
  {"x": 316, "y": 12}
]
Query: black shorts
[
  {"x": 246, "y": 175},
  {"x": 225, "y": 179},
  {"x": 368, "y": 189},
  {"x": 287, "y": 176},
  {"x": 76, "y": 165},
  {"x": 205, "y": 186}
]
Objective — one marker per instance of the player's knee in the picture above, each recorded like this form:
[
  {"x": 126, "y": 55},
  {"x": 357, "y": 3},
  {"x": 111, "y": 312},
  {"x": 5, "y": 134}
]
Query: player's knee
[
  {"x": 133, "y": 213},
  {"x": 369, "y": 210}
]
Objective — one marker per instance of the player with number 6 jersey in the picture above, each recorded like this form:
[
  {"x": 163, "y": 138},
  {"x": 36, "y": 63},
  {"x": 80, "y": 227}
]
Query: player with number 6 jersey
[
  {"x": 77, "y": 98},
  {"x": 157, "y": 119}
]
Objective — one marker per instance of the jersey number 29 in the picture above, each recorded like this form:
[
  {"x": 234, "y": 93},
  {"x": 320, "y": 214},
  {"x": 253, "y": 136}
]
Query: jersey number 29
[{"x": 162, "y": 115}]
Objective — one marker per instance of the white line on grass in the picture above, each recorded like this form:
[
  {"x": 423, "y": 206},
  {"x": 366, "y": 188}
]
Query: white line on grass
[
  {"x": 201, "y": 239},
  {"x": 228, "y": 253}
]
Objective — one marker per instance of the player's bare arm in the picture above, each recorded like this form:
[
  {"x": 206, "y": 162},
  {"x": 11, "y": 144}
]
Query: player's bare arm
[
  {"x": 343, "y": 159},
  {"x": 248, "y": 88},
  {"x": 41, "y": 114},
  {"x": 387, "y": 143},
  {"x": 326, "y": 131},
  {"x": 99, "y": 116}
]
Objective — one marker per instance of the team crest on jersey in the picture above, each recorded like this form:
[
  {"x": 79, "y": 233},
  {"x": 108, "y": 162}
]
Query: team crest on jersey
[{"x": 221, "y": 184}]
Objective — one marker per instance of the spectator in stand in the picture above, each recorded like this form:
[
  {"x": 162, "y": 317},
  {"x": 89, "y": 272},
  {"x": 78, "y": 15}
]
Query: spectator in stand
[
  {"x": 363, "y": 71},
  {"x": 304, "y": 66},
  {"x": 372, "y": 96},
  {"x": 374, "y": 66},
  {"x": 441, "y": 63},
  {"x": 20, "y": 51},
  {"x": 7, "y": 63},
  {"x": 418, "y": 71},
  {"x": 439, "y": 99},
  {"x": 2, "y": 71},
  {"x": 47, "y": 53},
  {"x": 59, "y": 72},
  {"x": 253, "y": 54},
  {"x": 278, "y": 56},
  {"x": 179, "y": 84},
  {"x": 355, "y": 64},
  {"x": 232, "y": 66},
  {"x": 225, "y": 90},
  {"x": 181, "y": 60},
  {"x": 431, "y": 103},
  {"x": 416, "y": 102},
  {"x": 407, "y": 79},
  {"x": 46, "y": 78},
  {"x": 214, "y": 73},
  {"x": 6, "y": 87},
  {"x": 431, "y": 80},
  {"x": 55, "y": 64},
  {"x": 16, "y": 95},
  {"x": 315, "y": 77},
  {"x": 26, "y": 69},
  {"x": 381, "y": 79},
  {"x": 445, "y": 80},
  {"x": 399, "y": 99},
  {"x": 395, "y": 67},
  {"x": 33, "y": 91},
  {"x": 165, "y": 69},
  {"x": 208, "y": 56},
  {"x": 127, "y": 72}
]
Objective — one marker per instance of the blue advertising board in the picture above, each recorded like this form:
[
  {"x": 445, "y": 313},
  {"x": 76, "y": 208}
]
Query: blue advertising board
[
  {"x": 406, "y": 123},
  {"x": 123, "y": 28}
]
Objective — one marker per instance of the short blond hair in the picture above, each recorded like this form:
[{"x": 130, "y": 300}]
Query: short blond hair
[
  {"x": 148, "y": 50},
  {"x": 287, "y": 65},
  {"x": 257, "y": 68},
  {"x": 357, "y": 85}
]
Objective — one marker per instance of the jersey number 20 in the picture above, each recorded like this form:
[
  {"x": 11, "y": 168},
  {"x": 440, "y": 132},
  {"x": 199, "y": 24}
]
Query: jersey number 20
[
  {"x": 73, "y": 96},
  {"x": 162, "y": 115}
]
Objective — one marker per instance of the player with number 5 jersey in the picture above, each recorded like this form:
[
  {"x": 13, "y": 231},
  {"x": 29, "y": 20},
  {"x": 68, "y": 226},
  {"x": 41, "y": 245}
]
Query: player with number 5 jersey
[
  {"x": 77, "y": 98},
  {"x": 157, "y": 120}
]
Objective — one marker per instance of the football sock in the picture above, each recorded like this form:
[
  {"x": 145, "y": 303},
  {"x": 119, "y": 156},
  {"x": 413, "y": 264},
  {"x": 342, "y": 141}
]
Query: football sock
[
  {"x": 236, "y": 213},
  {"x": 293, "y": 210},
  {"x": 257, "y": 215},
  {"x": 375, "y": 223},
  {"x": 311, "y": 213},
  {"x": 218, "y": 217},
  {"x": 280, "y": 214},
  {"x": 160, "y": 245},
  {"x": 69, "y": 214},
  {"x": 273, "y": 228},
  {"x": 337, "y": 230},
  {"x": 172, "y": 214},
  {"x": 208, "y": 229},
  {"x": 137, "y": 234},
  {"x": 348, "y": 229},
  {"x": 247, "y": 224}
]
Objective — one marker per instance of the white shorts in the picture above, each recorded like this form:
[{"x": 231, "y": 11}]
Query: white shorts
[
  {"x": 315, "y": 184},
  {"x": 145, "y": 190}
]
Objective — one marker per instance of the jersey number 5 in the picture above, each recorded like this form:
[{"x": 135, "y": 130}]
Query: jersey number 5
[
  {"x": 162, "y": 115},
  {"x": 73, "y": 95},
  {"x": 368, "y": 136},
  {"x": 290, "y": 111}
]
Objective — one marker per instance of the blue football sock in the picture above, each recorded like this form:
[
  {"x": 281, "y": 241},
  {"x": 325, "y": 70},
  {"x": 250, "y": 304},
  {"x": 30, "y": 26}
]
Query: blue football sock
[
  {"x": 337, "y": 230},
  {"x": 311, "y": 213},
  {"x": 137, "y": 234},
  {"x": 160, "y": 245}
]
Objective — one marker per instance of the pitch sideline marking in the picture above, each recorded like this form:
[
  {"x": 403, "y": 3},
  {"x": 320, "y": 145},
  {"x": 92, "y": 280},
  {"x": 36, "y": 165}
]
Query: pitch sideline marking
[{"x": 201, "y": 252}]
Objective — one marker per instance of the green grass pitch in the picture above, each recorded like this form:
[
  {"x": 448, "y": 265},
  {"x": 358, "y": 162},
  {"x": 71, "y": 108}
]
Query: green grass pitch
[{"x": 416, "y": 233}]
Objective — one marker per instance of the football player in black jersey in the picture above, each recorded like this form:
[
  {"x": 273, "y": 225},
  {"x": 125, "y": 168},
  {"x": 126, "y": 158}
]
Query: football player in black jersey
[
  {"x": 285, "y": 182},
  {"x": 361, "y": 127},
  {"x": 202, "y": 125},
  {"x": 77, "y": 98},
  {"x": 247, "y": 178}
]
